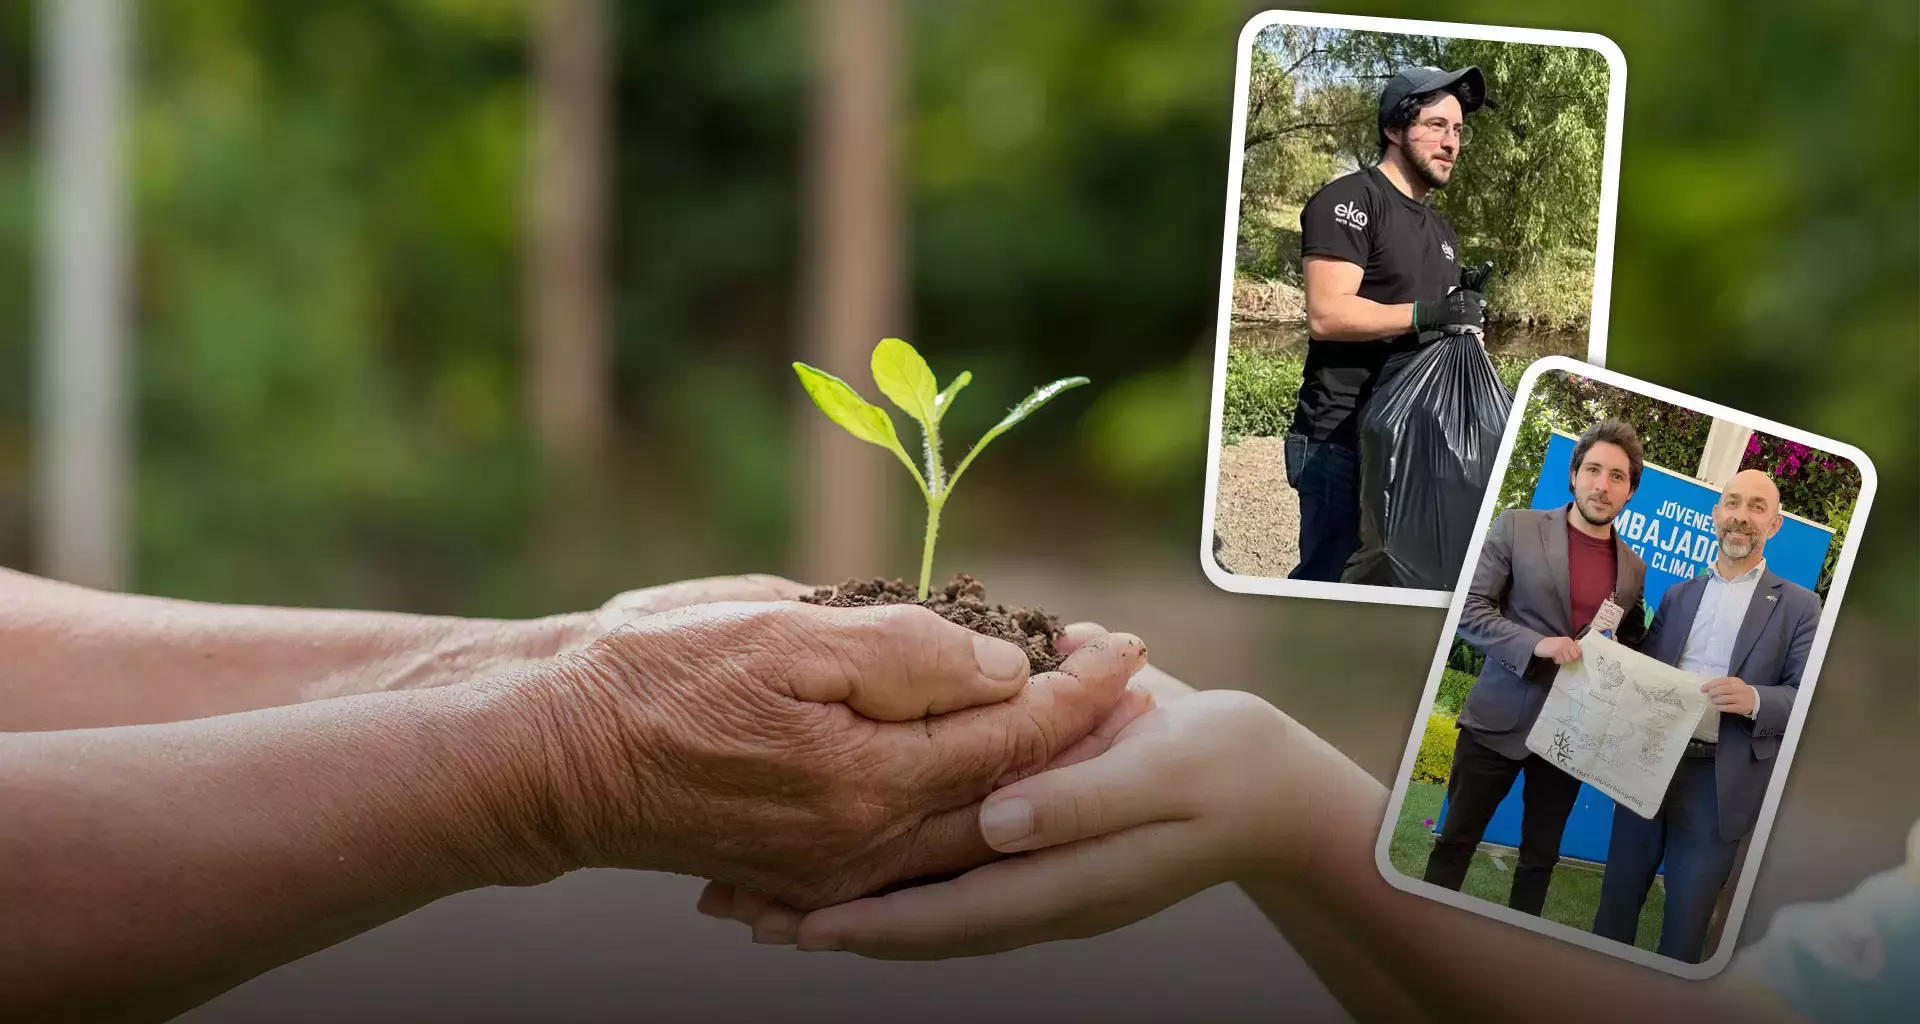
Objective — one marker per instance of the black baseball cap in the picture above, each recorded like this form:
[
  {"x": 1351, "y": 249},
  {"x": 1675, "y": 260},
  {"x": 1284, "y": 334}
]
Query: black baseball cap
[{"x": 1419, "y": 81}]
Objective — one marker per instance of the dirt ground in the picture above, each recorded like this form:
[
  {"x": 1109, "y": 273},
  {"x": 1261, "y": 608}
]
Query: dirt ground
[{"x": 1256, "y": 522}]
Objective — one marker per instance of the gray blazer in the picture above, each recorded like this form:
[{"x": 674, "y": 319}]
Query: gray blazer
[
  {"x": 1520, "y": 596},
  {"x": 1769, "y": 654}
]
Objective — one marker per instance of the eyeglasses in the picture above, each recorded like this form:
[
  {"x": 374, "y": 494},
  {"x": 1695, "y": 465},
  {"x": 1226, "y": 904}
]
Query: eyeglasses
[{"x": 1439, "y": 126}]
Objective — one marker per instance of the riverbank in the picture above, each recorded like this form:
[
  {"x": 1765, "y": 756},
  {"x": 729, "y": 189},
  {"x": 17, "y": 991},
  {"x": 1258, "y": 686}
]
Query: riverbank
[{"x": 1555, "y": 296}]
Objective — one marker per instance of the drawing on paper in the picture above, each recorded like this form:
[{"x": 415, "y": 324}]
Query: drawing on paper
[{"x": 1625, "y": 746}]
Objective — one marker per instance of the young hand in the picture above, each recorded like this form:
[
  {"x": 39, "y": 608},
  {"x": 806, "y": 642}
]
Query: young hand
[
  {"x": 1731, "y": 696},
  {"x": 1218, "y": 786},
  {"x": 1560, "y": 649}
]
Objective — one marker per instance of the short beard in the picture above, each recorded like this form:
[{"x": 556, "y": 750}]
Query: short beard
[
  {"x": 1581, "y": 507},
  {"x": 1426, "y": 171},
  {"x": 1726, "y": 546}
]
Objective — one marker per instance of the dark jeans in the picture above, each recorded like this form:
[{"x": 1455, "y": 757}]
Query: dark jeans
[
  {"x": 1326, "y": 476},
  {"x": 1686, "y": 833},
  {"x": 1480, "y": 779}
]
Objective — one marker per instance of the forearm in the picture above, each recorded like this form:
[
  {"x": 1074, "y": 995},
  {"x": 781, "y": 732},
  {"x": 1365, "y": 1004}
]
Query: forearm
[
  {"x": 79, "y": 658},
  {"x": 1352, "y": 318},
  {"x": 1455, "y": 965},
  {"x": 145, "y": 869},
  {"x": 1355, "y": 977}
]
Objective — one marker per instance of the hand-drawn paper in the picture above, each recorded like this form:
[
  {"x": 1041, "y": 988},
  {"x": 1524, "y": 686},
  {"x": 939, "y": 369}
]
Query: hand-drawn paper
[{"x": 1619, "y": 721}]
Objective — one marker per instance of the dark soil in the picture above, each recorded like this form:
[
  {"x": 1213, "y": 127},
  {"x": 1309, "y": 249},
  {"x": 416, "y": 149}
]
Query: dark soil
[{"x": 963, "y": 600}]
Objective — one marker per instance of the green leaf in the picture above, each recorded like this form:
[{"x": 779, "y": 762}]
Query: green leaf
[
  {"x": 856, "y": 415},
  {"x": 906, "y": 380},
  {"x": 944, "y": 399},
  {"x": 1026, "y": 408}
]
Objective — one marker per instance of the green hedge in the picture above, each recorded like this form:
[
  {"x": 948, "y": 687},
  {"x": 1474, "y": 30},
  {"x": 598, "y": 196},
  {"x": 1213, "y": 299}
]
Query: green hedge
[
  {"x": 1435, "y": 760},
  {"x": 1454, "y": 686}
]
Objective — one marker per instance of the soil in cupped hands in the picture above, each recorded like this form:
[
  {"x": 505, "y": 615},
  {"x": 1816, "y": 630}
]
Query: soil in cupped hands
[{"x": 963, "y": 600}]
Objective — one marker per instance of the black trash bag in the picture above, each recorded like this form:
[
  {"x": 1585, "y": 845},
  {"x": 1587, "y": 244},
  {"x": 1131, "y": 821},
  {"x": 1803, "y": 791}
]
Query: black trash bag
[{"x": 1427, "y": 445}]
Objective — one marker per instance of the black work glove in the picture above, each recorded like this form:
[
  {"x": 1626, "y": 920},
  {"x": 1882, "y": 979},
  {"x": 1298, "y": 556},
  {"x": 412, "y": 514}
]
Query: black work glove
[
  {"x": 1460, "y": 309},
  {"x": 1474, "y": 279}
]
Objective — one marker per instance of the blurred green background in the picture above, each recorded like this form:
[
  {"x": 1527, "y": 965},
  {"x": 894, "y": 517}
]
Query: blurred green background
[{"x": 327, "y": 205}]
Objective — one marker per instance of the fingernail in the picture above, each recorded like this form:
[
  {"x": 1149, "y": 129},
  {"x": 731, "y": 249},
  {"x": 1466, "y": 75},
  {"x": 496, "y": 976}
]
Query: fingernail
[
  {"x": 1005, "y": 822},
  {"x": 819, "y": 946},
  {"x": 998, "y": 659}
]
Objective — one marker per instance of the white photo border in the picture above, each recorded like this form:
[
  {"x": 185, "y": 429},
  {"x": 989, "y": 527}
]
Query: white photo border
[
  {"x": 1796, "y": 722},
  {"x": 1602, "y": 264}
]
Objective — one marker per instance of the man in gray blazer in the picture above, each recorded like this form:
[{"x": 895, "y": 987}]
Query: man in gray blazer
[
  {"x": 1751, "y": 631},
  {"x": 1544, "y": 575}
]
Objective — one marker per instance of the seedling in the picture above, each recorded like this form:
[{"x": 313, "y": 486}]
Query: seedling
[{"x": 907, "y": 381}]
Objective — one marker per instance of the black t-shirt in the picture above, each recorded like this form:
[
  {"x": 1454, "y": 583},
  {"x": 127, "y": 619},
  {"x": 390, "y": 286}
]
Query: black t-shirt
[{"x": 1409, "y": 253}]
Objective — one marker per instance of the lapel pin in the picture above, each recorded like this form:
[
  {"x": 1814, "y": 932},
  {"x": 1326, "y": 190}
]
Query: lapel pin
[{"x": 1773, "y": 597}]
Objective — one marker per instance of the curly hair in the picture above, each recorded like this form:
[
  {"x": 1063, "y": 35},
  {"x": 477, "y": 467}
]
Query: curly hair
[{"x": 1614, "y": 432}]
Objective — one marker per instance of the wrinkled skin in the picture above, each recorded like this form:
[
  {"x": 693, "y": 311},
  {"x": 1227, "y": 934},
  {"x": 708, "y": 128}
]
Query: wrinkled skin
[{"x": 784, "y": 747}]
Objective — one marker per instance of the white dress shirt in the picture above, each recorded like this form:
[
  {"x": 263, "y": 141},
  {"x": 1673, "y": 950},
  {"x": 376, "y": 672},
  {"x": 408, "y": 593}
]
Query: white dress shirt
[{"x": 1716, "y": 624}]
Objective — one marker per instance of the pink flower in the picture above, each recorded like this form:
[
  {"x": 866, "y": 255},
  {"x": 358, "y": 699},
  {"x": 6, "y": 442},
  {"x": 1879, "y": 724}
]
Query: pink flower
[{"x": 1428, "y": 822}]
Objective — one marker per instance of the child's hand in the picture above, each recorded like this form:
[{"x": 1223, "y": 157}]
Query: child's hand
[{"x": 1218, "y": 786}]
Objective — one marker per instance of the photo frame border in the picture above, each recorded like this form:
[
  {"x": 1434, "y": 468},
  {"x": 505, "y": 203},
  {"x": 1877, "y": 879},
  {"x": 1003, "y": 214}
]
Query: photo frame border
[
  {"x": 1602, "y": 264},
  {"x": 1790, "y": 739}
]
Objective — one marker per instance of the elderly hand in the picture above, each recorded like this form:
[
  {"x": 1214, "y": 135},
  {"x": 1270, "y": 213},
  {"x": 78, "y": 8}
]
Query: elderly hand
[
  {"x": 785, "y": 747},
  {"x": 1217, "y": 786},
  {"x": 633, "y": 604}
]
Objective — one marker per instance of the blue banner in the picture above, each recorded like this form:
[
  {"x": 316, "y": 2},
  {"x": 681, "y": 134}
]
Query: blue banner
[{"x": 1669, "y": 523}]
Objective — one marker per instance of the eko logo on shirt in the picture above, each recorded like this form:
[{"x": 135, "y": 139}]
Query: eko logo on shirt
[
  {"x": 1350, "y": 215},
  {"x": 1446, "y": 249}
]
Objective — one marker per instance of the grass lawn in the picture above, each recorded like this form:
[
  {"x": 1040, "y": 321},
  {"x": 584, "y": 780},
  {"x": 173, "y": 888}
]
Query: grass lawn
[{"x": 1571, "y": 899}]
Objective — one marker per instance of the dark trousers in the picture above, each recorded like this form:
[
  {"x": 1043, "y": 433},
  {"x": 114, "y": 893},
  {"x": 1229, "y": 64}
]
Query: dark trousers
[
  {"x": 1326, "y": 476},
  {"x": 1480, "y": 779},
  {"x": 1686, "y": 833}
]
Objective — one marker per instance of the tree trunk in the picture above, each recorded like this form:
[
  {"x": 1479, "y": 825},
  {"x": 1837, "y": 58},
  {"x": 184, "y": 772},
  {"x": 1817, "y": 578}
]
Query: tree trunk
[
  {"x": 853, "y": 276},
  {"x": 567, "y": 370},
  {"x": 81, "y": 442}
]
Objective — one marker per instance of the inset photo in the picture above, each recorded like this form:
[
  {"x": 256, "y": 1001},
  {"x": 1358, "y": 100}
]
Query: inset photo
[
  {"x": 1628, "y": 660},
  {"x": 1415, "y": 212}
]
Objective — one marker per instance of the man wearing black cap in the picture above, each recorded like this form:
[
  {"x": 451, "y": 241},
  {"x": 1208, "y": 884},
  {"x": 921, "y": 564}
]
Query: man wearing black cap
[{"x": 1382, "y": 276}]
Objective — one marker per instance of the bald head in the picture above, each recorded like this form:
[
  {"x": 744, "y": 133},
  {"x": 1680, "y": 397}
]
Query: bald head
[
  {"x": 1747, "y": 516},
  {"x": 1752, "y": 482}
]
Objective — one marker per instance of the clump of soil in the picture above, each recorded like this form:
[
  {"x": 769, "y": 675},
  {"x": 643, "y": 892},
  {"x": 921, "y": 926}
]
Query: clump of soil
[{"x": 963, "y": 600}]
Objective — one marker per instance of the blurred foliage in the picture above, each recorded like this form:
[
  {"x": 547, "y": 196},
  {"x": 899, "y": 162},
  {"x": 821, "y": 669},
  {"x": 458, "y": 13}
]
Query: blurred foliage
[
  {"x": 328, "y": 267},
  {"x": 1526, "y": 194},
  {"x": 18, "y": 239}
]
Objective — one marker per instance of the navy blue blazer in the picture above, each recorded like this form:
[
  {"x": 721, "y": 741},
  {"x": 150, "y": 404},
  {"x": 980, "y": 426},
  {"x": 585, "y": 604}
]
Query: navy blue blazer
[{"x": 1769, "y": 654}]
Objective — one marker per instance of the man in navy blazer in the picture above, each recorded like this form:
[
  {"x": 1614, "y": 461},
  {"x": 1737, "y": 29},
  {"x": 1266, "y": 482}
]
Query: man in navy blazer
[
  {"x": 1543, "y": 577},
  {"x": 1751, "y": 631}
]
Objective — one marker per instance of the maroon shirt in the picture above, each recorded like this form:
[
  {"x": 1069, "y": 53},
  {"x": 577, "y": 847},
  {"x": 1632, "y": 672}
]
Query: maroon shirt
[{"x": 1590, "y": 574}]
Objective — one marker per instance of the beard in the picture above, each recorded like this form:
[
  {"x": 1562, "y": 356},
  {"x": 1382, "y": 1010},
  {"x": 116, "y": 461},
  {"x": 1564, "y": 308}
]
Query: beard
[
  {"x": 1737, "y": 543},
  {"x": 1433, "y": 176},
  {"x": 1592, "y": 518}
]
